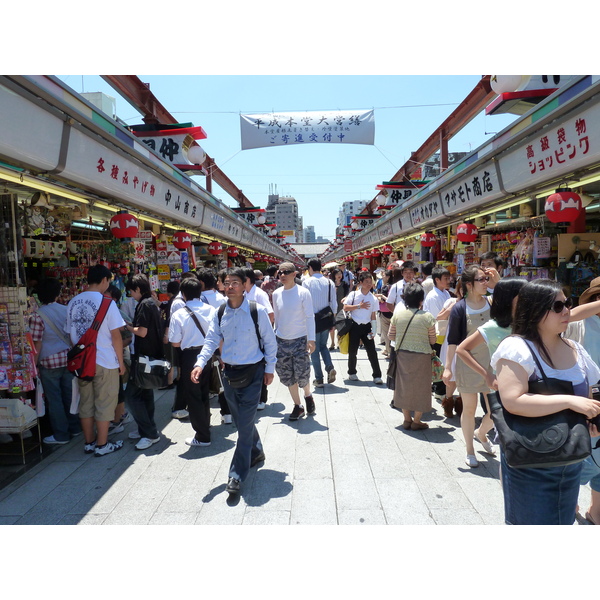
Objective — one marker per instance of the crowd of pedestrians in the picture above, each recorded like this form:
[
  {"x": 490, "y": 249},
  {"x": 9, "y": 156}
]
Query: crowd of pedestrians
[{"x": 227, "y": 333}]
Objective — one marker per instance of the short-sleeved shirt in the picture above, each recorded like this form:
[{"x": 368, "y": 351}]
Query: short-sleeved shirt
[
  {"x": 147, "y": 315},
  {"x": 362, "y": 316},
  {"x": 515, "y": 349},
  {"x": 493, "y": 334},
  {"x": 81, "y": 311}
]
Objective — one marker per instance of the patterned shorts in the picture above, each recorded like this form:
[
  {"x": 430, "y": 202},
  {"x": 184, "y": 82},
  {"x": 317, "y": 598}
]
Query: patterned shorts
[{"x": 293, "y": 362}]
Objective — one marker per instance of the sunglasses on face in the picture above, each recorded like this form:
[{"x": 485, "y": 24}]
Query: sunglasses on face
[
  {"x": 286, "y": 272},
  {"x": 481, "y": 279},
  {"x": 560, "y": 305}
]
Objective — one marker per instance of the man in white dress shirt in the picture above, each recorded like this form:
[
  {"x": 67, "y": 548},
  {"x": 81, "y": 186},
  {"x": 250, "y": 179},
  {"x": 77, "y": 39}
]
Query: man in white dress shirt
[
  {"x": 295, "y": 333},
  {"x": 408, "y": 270}
]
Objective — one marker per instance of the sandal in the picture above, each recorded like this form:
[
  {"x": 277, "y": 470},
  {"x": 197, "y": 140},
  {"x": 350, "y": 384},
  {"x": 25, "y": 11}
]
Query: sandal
[
  {"x": 407, "y": 424},
  {"x": 417, "y": 426}
]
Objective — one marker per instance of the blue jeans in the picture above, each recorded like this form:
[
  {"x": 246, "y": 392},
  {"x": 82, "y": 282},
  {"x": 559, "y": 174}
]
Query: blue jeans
[
  {"x": 58, "y": 389},
  {"x": 591, "y": 471},
  {"x": 321, "y": 349},
  {"x": 141, "y": 406},
  {"x": 243, "y": 403},
  {"x": 540, "y": 496}
]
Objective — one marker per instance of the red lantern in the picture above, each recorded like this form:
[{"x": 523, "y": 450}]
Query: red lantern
[
  {"x": 428, "y": 239},
  {"x": 232, "y": 251},
  {"x": 215, "y": 248},
  {"x": 123, "y": 270},
  {"x": 257, "y": 256},
  {"x": 466, "y": 232},
  {"x": 181, "y": 240},
  {"x": 387, "y": 250},
  {"x": 564, "y": 206},
  {"x": 375, "y": 252},
  {"x": 367, "y": 254},
  {"x": 123, "y": 225},
  {"x": 360, "y": 256}
]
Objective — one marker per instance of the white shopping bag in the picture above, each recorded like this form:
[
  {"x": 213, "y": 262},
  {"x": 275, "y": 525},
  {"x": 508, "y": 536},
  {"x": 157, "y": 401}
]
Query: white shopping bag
[
  {"x": 40, "y": 405},
  {"x": 75, "y": 397}
]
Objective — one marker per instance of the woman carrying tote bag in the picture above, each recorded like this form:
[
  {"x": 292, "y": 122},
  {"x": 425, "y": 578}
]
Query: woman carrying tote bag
[{"x": 542, "y": 496}]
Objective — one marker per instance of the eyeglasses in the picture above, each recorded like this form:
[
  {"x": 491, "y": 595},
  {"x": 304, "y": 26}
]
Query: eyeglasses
[
  {"x": 560, "y": 305},
  {"x": 232, "y": 284},
  {"x": 481, "y": 279},
  {"x": 286, "y": 272}
]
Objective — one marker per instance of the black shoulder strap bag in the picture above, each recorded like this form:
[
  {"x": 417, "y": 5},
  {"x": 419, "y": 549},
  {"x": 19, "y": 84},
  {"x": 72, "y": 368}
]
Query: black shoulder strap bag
[
  {"x": 393, "y": 366},
  {"x": 554, "y": 440}
]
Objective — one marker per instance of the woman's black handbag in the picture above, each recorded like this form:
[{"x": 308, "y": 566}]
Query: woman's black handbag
[
  {"x": 553, "y": 440},
  {"x": 149, "y": 373},
  {"x": 325, "y": 319}
]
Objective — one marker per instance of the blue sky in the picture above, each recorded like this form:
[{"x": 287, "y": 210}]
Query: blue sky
[{"x": 407, "y": 110}]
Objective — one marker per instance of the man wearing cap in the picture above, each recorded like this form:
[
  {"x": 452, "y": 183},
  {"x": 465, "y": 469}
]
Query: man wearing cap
[{"x": 295, "y": 333}]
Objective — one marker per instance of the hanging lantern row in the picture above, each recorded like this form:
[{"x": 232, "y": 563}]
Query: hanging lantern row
[
  {"x": 182, "y": 240},
  {"x": 564, "y": 206}
]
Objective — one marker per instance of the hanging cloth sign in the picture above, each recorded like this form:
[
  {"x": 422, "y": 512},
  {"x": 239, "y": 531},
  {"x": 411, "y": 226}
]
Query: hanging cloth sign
[{"x": 305, "y": 128}]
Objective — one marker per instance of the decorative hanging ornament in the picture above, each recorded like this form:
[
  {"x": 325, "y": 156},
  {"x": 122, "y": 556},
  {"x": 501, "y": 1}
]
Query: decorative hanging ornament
[
  {"x": 123, "y": 225},
  {"x": 564, "y": 206},
  {"x": 387, "y": 250},
  {"x": 182, "y": 240},
  {"x": 215, "y": 248},
  {"x": 428, "y": 239},
  {"x": 232, "y": 251},
  {"x": 512, "y": 237},
  {"x": 466, "y": 232}
]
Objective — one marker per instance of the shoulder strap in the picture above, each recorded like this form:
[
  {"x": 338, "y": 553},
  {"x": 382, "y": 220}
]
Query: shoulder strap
[
  {"x": 254, "y": 314},
  {"x": 99, "y": 318},
  {"x": 404, "y": 334},
  {"x": 204, "y": 299},
  {"x": 61, "y": 334},
  {"x": 537, "y": 362},
  {"x": 195, "y": 318},
  {"x": 220, "y": 312}
]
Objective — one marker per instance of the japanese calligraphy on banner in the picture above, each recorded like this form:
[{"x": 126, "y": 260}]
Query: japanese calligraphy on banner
[
  {"x": 426, "y": 211},
  {"x": 108, "y": 172},
  {"x": 314, "y": 127},
  {"x": 573, "y": 144},
  {"x": 472, "y": 191},
  {"x": 216, "y": 222}
]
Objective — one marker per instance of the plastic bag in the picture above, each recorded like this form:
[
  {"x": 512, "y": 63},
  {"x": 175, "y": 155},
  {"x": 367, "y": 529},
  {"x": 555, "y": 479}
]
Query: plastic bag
[{"x": 344, "y": 343}]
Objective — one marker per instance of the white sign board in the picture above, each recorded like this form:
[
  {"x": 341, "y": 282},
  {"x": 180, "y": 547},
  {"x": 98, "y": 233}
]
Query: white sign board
[{"x": 305, "y": 128}]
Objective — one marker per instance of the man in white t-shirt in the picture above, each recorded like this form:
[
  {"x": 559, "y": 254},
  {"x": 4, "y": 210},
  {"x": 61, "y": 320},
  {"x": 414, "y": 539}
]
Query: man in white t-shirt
[
  {"x": 363, "y": 309},
  {"x": 260, "y": 297},
  {"x": 98, "y": 397},
  {"x": 408, "y": 270},
  {"x": 295, "y": 332}
]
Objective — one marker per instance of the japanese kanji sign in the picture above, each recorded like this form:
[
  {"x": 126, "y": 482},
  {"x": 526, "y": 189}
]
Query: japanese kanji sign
[{"x": 305, "y": 128}]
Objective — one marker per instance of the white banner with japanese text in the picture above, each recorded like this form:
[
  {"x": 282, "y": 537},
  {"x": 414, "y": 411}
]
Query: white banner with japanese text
[{"x": 312, "y": 127}]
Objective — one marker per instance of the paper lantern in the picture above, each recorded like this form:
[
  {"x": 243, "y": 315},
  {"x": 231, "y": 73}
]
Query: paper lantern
[
  {"x": 232, "y": 251},
  {"x": 375, "y": 252},
  {"x": 196, "y": 155},
  {"x": 181, "y": 240},
  {"x": 387, "y": 250},
  {"x": 215, "y": 248},
  {"x": 123, "y": 270},
  {"x": 428, "y": 239},
  {"x": 123, "y": 225},
  {"x": 466, "y": 232},
  {"x": 564, "y": 206},
  {"x": 502, "y": 84}
]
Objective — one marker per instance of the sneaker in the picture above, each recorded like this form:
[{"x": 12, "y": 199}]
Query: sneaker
[
  {"x": 180, "y": 414},
  {"x": 318, "y": 383},
  {"x": 310, "y": 405},
  {"x": 194, "y": 442},
  {"x": 471, "y": 461},
  {"x": 378, "y": 380},
  {"x": 297, "y": 412},
  {"x": 108, "y": 448},
  {"x": 89, "y": 448},
  {"x": 52, "y": 440},
  {"x": 331, "y": 376},
  {"x": 226, "y": 419},
  {"x": 134, "y": 435},
  {"x": 145, "y": 443},
  {"x": 233, "y": 486},
  {"x": 115, "y": 428},
  {"x": 126, "y": 418},
  {"x": 261, "y": 406},
  {"x": 353, "y": 377},
  {"x": 260, "y": 458}
]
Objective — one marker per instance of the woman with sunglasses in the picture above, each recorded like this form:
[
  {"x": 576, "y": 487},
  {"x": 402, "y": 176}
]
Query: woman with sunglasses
[
  {"x": 465, "y": 317},
  {"x": 542, "y": 496}
]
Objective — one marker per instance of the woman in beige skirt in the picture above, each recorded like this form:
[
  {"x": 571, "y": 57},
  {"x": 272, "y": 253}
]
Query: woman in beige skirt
[{"x": 414, "y": 332}]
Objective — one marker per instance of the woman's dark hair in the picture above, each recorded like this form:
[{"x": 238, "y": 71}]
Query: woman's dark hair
[
  {"x": 396, "y": 275},
  {"x": 535, "y": 300},
  {"x": 413, "y": 295},
  {"x": 505, "y": 292},
  {"x": 468, "y": 276},
  {"x": 48, "y": 290},
  {"x": 140, "y": 282},
  {"x": 190, "y": 289},
  {"x": 333, "y": 273}
]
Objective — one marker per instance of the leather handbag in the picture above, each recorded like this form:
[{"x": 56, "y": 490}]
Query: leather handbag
[
  {"x": 325, "y": 319},
  {"x": 150, "y": 373},
  {"x": 555, "y": 440}
]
